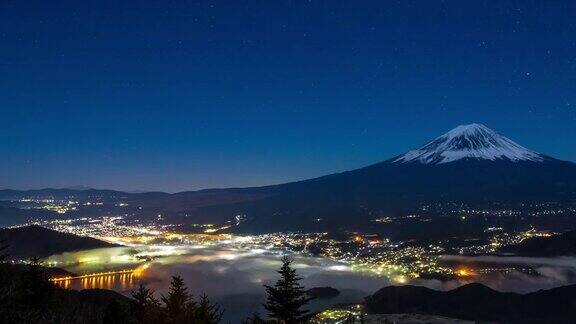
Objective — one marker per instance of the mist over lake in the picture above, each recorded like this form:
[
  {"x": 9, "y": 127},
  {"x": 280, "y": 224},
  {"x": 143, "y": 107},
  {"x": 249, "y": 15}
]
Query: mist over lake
[{"x": 235, "y": 278}]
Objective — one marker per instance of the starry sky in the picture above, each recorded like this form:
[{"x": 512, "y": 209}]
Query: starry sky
[{"x": 182, "y": 95}]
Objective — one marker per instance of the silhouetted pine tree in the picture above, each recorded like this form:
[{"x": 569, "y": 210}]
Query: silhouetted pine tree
[
  {"x": 179, "y": 304},
  {"x": 254, "y": 319},
  {"x": 39, "y": 289},
  {"x": 206, "y": 312},
  {"x": 146, "y": 308},
  {"x": 35, "y": 294},
  {"x": 3, "y": 247},
  {"x": 286, "y": 298},
  {"x": 6, "y": 280},
  {"x": 117, "y": 313}
]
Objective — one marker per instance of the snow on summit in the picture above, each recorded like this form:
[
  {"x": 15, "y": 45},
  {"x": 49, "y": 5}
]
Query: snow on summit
[{"x": 470, "y": 141}]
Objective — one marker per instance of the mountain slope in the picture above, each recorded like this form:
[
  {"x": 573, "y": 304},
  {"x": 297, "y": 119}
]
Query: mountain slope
[
  {"x": 478, "y": 302},
  {"x": 558, "y": 245},
  {"x": 474, "y": 141},
  {"x": 23, "y": 242},
  {"x": 471, "y": 164}
]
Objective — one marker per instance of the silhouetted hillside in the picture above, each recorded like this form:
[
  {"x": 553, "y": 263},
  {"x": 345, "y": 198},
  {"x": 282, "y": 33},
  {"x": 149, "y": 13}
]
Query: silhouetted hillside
[
  {"x": 558, "y": 245},
  {"x": 27, "y": 297},
  {"x": 322, "y": 292},
  {"x": 478, "y": 302},
  {"x": 10, "y": 216},
  {"x": 36, "y": 241}
]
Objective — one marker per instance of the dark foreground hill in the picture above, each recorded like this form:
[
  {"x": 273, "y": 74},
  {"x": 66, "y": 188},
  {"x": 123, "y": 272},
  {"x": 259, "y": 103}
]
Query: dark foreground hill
[
  {"x": 479, "y": 303},
  {"x": 85, "y": 306},
  {"x": 27, "y": 297},
  {"x": 36, "y": 241}
]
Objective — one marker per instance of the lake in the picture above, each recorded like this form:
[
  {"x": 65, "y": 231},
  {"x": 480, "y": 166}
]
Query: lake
[{"x": 235, "y": 277}]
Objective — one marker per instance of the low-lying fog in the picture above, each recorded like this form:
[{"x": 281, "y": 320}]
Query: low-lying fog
[{"x": 235, "y": 278}]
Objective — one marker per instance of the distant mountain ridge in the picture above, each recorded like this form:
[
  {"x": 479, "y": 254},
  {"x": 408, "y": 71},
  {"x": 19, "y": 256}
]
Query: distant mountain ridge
[
  {"x": 558, "y": 245},
  {"x": 470, "y": 165},
  {"x": 78, "y": 187},
  {"x": 479, "y": 303}
]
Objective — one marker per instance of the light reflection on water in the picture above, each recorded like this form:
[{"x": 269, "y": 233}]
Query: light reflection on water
[
  {"x": 234, "y": 278},
  {"x": 119, "y": 282},
  {"x": 258, "y": 266},
  {"x": 209, "y": 270},
  {"x": 104, "y": 259}
]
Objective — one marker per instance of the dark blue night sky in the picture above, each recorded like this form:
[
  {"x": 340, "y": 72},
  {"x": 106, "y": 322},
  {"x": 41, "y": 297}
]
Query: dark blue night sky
[{"x": 176, "y": 95}]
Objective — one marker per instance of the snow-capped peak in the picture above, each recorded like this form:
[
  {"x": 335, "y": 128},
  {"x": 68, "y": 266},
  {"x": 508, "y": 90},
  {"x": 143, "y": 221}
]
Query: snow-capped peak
[{"x": 470, "y": 141}]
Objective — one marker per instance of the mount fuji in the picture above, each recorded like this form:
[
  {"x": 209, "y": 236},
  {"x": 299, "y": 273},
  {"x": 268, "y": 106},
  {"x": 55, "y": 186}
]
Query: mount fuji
[
  {"x": 474, "y": 141},
  {"x": 470, "y": 165}
]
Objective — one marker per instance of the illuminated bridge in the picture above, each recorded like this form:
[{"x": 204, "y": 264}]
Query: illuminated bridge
[
  {"x": 121, "y": 279},
  {"x": 93, "y": 275}
]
